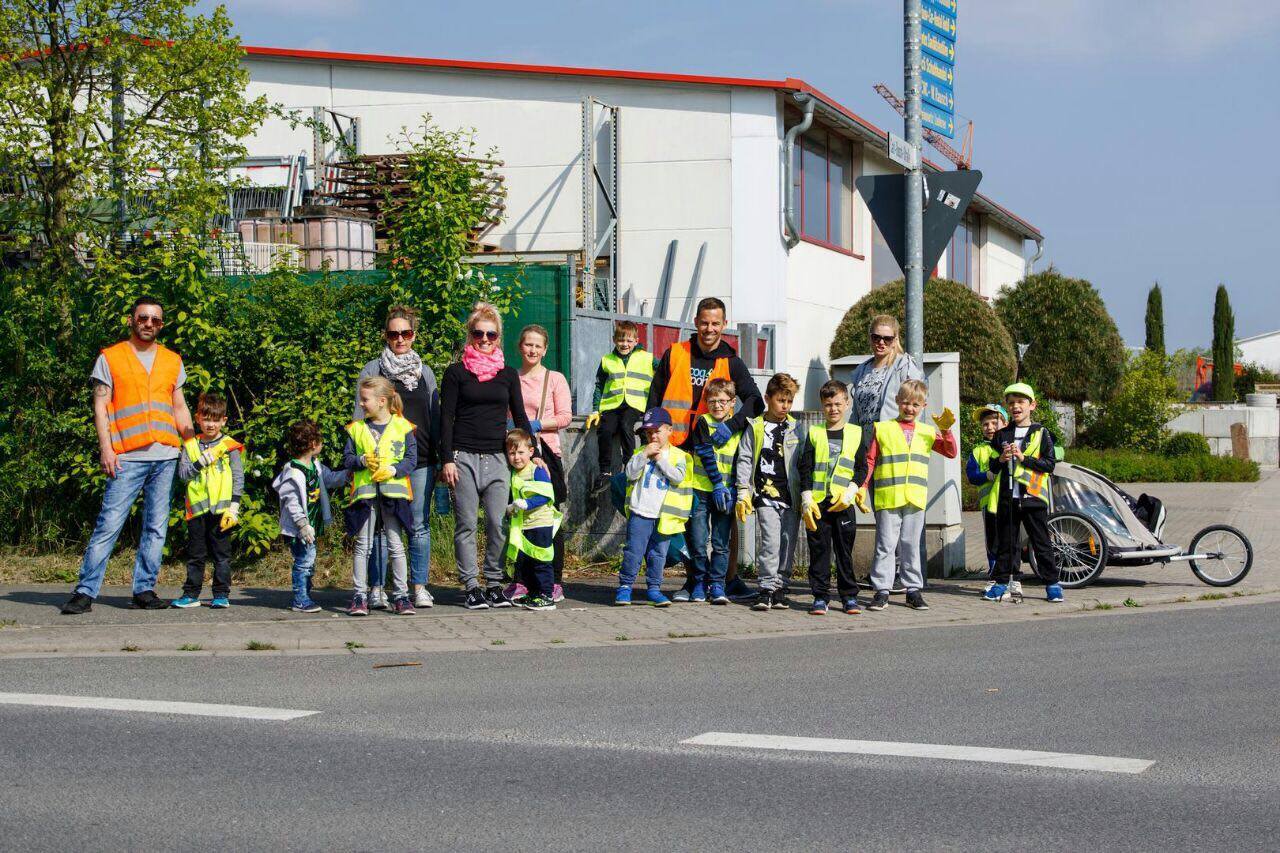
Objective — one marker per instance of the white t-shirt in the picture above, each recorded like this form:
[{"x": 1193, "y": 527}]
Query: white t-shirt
[
  {"x": 1020, "y": 436},
  {"x": 101, "y": 375}
]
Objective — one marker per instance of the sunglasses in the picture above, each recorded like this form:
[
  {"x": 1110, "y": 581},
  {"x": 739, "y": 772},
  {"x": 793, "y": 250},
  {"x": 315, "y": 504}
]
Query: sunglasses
[
  {"x": 882, "y": 339},
  {"x": 406, "y": 335},
  {"x": 480, "y": 335},
  {"x": 149, "y": 320}
]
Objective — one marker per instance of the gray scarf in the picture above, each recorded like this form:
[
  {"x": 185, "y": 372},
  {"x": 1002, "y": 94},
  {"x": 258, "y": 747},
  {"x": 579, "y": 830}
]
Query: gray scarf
[{"x": 407, "y": 368}]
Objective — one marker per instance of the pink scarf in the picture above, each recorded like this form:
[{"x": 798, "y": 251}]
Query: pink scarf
[{"x": 485, "y": 367}]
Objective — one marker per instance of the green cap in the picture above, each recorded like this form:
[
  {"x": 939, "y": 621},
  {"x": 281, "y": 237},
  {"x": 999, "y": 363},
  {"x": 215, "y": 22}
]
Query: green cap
[{"x": 1021, "y": 389}]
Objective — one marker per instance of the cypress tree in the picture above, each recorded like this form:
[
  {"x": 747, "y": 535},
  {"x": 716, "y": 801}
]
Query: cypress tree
[
  {"x": 1224, "y": 336},
  {"x": 1155, "y": 320}
]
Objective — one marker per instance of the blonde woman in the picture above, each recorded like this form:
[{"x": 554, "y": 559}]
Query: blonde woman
[
  {"x": 476, "y": 394},
  {"x": 873, "y": 390}
]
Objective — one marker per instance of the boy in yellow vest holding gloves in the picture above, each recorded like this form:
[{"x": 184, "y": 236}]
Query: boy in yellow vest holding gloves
[
  {"x": 991, "y": 418},
  {"x": 711, "y": 525},
  {"x": 833, "y": 464},
  {"x": 533, "y": 522},
  {"x": 659, "y": 501},
  {"x": 621, "y": 393},
  {"x": 898, "y": 473},
  {"x": 211, "y": 467}
]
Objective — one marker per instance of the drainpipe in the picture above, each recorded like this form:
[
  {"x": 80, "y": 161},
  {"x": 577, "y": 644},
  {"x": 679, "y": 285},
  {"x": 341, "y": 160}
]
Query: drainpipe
[
  {"x": 1031, "y": 264},
  {"x": 788, "y": 155}
]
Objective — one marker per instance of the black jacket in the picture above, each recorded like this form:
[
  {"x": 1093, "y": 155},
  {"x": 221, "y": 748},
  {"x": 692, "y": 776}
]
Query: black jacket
[{"x": 748, "y": 393}]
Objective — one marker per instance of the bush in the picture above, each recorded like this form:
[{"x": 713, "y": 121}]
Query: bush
[
  {"x": 1251, "y": 376},
  {"x": 1076, "y": 351},
  {"x": 1127, "y": 466},
  {"x": 1136, "y": 417},
  {"x": 1186, "y": 444},
  {"x": 955, "y": 320}
]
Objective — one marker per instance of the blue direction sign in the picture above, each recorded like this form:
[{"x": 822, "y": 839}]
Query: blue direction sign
[
  {"x": 940, "y": 17},
  {"x": 937, "y": 66},
  {"x": 934, "y": 70},
  {"x": 939, "y": 121},
  {"x": 940, "y": 96},
  {"x": 937, "y": 45}
]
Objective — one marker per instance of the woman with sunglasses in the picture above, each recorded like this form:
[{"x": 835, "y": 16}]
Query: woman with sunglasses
[
  {"x": 415, "y": 382},
  {"x": 477, "y": 393},
  {"x": 873, "y": 389}
]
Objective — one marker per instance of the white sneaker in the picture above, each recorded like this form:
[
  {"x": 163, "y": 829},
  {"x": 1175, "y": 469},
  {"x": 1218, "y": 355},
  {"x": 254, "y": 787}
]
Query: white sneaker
[
  {"x": 1015, "y": 590},
  {"x": 377, "y": 598},
  {"x": 422, "y": 598},
  {"x": 681, "y": 594}
]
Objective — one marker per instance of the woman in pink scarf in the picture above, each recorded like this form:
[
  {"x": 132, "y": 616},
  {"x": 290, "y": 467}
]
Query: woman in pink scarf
[{"x": 475, "y": 395}]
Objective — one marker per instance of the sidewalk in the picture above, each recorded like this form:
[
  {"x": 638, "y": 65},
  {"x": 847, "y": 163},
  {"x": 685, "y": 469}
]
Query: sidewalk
[{"x": 31, "y": 626}]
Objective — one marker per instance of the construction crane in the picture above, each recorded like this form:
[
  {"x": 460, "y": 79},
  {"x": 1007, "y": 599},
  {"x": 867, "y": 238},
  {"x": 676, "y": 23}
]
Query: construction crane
[{"x": 962, "y": 158}]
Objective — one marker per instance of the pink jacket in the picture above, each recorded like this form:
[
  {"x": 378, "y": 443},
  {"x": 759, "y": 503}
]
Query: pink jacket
[{"x": 558, "y": 411}]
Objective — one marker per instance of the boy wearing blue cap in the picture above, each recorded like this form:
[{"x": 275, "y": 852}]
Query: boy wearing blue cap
[{"x": 991, "y": 418}]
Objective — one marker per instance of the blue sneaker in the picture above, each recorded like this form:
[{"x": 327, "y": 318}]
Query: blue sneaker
[
  {"x": 185, "y": 601},
  {"x": 305, "y": 606},
  {"x": 996, "y": 592},
  {"x": 1053, "y": 594},
  {"x": 739, "y": 591},
  {"x": 716, "y": 594},
  {"x": 623, "y": 596},
  {"x": 221, "y": 603},
  {"x": 698, "y": 595},
  {"x": 818, "y": 608},
  {"x": 657, "y": 599}
]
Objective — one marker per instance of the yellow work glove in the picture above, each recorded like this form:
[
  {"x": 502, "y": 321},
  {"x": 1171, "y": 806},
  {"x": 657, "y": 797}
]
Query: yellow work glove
[
  {"x": 809, "y": 512},
  {"x": 841, "y": 503},
  {"x": 230, "y": 518},
  {"x": 593, "y": 420},
  {"x": 946, "y": 420},
  {"x": 386, "y": 472},
  {"x": 212, "y": 455},
  {"x": 860, "y": 500},
  {"x": 371, "y": 460},
  {"x": 743, "y": 509}
]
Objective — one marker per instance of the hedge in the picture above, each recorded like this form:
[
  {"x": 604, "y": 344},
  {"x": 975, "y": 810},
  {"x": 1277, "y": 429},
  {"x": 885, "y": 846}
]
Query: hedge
[{"x": 1127, "y": 466}]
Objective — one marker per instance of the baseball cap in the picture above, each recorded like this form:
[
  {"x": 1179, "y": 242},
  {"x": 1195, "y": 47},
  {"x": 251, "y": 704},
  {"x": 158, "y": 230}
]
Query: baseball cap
[
  {"x": 1021, "y": 389},
  {"x": 979, "y": 414},
  {"x": 655, "y": 417}
]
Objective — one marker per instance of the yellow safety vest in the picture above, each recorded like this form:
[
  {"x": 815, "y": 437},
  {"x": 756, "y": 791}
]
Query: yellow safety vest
[
  {"x": 626, "y": 382},
  {"x": 757, "y": 433},
  {"x": 527, "y": 487},
  {"x": 724, "y": 459},
  {"x": 988, "y": 494},
  {"x": 210, "y": 491},
  {"x": 902, "y": 472},
  {"x": 841, "y": 473},
  {"x": 677, "y": 506},
  {"x": 1035, "y": 484},
  {"x": 390, "y": 449}
]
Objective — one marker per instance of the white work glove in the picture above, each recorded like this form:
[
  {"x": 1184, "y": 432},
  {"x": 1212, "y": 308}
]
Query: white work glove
[{"x": 307, "y": 534}]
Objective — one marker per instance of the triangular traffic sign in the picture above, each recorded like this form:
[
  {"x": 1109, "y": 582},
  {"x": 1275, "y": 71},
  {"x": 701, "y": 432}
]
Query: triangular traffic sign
[{"x": 948, "y": 197}]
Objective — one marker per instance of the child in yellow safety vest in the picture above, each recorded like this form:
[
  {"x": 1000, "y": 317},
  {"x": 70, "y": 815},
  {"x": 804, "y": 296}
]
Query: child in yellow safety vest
[
  {"x": 1022, "y": 460},
  {"x": 620, "y": 396},
  {"x": 898, "y": 475},
  {"x": 381, "y": 453},
  {"x": 711, "y": 525},
  {"x": 991, "y": 418},
  {"x": 833, "y": 464},
  {"x": 534, "y": 520},
  {"x": 211, "y": 466}
]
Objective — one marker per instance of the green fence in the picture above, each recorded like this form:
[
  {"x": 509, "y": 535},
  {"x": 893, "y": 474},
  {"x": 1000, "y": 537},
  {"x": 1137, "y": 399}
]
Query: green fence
[{"x": 545, "y": 301}]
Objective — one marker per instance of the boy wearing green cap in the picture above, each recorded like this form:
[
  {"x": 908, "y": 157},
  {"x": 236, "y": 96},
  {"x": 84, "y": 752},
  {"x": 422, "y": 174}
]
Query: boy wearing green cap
[
  {"x": 1023, "y": 461},
  {"x": 991, "y": 418}
]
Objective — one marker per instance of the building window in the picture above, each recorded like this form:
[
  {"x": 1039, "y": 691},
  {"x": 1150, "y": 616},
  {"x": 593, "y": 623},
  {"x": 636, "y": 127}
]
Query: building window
[
  {"x": 962, "y": 254},
  {"x": 823, "y": 188}
]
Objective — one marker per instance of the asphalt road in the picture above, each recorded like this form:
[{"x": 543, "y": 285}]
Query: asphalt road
[{"x": 579, "y": 749}]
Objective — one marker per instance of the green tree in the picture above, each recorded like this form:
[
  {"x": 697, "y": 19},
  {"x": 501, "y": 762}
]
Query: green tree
[
  {"x": 1155, "y": 320},
  {"x": 1224, "y": 337},
  {"x": 1135, "y": 417},
  {"x": 1076, "y": 351}
]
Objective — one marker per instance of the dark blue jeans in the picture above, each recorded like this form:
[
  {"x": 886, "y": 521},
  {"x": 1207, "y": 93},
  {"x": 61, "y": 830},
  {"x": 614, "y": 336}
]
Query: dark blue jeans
[
  {"x": 537, "y": 576},
  {"x": 645, "y": 545},
  {"x": 708, "y": 527}
]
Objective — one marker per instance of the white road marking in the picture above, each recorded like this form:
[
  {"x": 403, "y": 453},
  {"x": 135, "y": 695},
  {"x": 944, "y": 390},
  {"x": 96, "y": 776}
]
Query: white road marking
[
  {"x": 1025, "y": 757},
  {"x": 198, "y": 709}
]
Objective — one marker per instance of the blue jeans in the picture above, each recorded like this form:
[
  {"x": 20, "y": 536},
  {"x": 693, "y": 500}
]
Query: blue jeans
[
  {"x": 304, "y": 564},
  {"x": 644, "y": 545},
  {"x": 706, "y": 526},
  {"x": 155, "y": 481},
  {"x": 419, "y": 534}
]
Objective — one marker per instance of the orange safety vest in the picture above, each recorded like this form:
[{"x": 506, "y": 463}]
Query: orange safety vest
[
  {"x": 677, "y": 399},
  {"x": 141, "y": 407}
]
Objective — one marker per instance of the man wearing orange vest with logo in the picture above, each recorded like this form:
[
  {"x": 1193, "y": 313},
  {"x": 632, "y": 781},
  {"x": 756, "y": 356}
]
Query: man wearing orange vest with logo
[
  {"x": 685, "y": 369},
  {"x": 142, "y": 420}
]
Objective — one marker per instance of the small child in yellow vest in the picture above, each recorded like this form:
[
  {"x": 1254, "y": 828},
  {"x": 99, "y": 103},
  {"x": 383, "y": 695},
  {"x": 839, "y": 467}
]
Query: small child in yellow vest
[
  {"x": 620, "y": 396},
  {"x": 380, "y": 452},
  {"x": 991, "y": 418},
  {"x": 533, "y": 520},
  {"x": 711, "y": 525},
  {"x": 898, "y": 473},
  {"x": 211, "y": 466}
]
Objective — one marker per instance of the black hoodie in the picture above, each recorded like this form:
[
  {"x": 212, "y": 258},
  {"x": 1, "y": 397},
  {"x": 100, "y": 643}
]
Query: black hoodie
[{"x": 700, "y": 366}]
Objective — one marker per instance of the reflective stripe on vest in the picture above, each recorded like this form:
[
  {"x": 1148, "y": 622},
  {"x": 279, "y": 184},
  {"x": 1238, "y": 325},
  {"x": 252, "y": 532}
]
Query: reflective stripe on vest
[
  {"x": 677, "y": 397},
  {"x": 210, "y": 490},
  {"x": 516, "y": 542},
  {"x": 390, "y": 450},
  {"x": 724, "y": 459},
  {"x": 677, "y": 506},
  {"x": 901, "y": 475},
  {"x": 626, "y": 383},
  {"x": 141, "y": 409},
  {"x": 988, "y": 495},
  {"x": 841, "y": 473},
  {"x": 1034, "y": 483}
]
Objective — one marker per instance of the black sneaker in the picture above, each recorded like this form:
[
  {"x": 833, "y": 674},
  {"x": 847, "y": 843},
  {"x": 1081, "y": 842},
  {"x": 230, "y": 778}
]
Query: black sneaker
[
  {"x": 496, "y": 597},
  {"x": 763, "y": 601},
  {"x": 475, "y": 600},
  {"x": 148, "y": 601},
  {"x": 602, "y": 482},
  {"x": 77, "y": 604},
  {"x": 780, "y": 600},
  {"x": 916, "y": 601},
  {"x": 880, "y": 602}
]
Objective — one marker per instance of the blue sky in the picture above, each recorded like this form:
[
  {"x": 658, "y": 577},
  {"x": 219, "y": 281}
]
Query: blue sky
[{"x": 1139, "y": 135}]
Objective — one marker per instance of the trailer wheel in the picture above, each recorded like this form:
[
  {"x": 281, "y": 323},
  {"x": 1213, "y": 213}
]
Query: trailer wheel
[
  {"x": 1079, "y": 549},
  {"x": 1231, "y": 555}
]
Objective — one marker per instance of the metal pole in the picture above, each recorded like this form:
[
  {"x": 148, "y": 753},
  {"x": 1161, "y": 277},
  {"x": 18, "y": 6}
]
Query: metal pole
[{"x": 914, "y": 271}]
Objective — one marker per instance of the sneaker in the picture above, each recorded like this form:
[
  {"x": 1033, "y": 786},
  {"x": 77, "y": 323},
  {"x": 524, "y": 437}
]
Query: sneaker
[
  {"x": 763, "y": 601},
  {"x": 818, "y": 608},
  {"x": 359, "y": 606},
  {"x": 986, "y": 589},
  {"x": 220, "y": 602},
  {"x": 851, "y": 606},
  {"x": 77, "y": 604},
  {"x": 1015, "y": 590},
  {"x": 657, "y": 599},
  {"x": 404, "y": 607},
  {"x": 780, "y": 600},
  {"x": 682, "y": 595},
  {"x": 496, "y": 597},
  {"x": 422, "y": 599},
  {"x": 1053, "y": 593},
  {"x": 996, "y": 592},
  {"x": 377, "y": 598},
  {"x": 185, "y": 602},
  {"x": 307, "y": 606},
  {"x": 557, "y": 593},
  {"x": 602, "y": 481},
  {"x": 880, "y": 601},
  {"x": 698, "y": 595},
  {"x": 537, "y": 602},
  {"x": 916, "y": 601},
  {"x": 515, "y": 590},
  {"x": 622, "y": 597},
  {"x": 738, "y": 590},
  {"x": 716, "y": 594},
  {"x": 148, "y": 601},
  {"x": 475, "y": 600}
]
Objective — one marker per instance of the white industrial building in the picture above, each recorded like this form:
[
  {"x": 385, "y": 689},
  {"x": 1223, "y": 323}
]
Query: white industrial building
[
  {"x": 695, "y": 164},
  {"x": 1263, "y": 350}
]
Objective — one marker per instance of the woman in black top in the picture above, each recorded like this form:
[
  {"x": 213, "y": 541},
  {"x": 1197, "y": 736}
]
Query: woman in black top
[{"x": 477, "y": 393}]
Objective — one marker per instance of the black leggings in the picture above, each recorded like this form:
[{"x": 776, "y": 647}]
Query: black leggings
[
  {"x": 1012, "y": 515},
  {"x": 560, "y": 492}
]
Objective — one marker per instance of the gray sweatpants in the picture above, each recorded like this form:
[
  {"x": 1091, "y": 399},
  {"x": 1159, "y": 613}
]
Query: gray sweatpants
[
  {"x": 899, "y": 533},
  {"x": 392, "y": 528},
  {"x": 779, "y": 529},
  {"x": 483, "y": 478}
]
